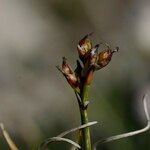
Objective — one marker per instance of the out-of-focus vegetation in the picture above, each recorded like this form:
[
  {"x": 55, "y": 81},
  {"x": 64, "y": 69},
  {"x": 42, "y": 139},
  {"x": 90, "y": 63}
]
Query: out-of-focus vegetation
[{"x": 36, "y": 102}]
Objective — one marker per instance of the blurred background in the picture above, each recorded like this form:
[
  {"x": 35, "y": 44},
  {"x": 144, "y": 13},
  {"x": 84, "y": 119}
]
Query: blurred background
[{"x": 35, "y": 100}]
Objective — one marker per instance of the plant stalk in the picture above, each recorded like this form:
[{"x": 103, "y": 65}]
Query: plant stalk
[{"x": 85, "y": 133}]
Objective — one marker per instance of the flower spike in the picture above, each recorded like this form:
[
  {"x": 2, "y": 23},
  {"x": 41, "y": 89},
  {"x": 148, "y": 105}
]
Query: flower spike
[
  {"x": 68, "y": 73},
  {"x": 65, "y": 67},
  {"x": 104, "y": 57},
  {"x": 84, "y": 46}
]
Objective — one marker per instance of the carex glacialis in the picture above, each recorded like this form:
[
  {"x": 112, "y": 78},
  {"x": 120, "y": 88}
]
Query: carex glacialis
[{"x": 90, "y": 60}]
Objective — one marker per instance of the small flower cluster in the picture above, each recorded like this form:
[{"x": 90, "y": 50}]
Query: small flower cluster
[{"x": 91, "y": 59}]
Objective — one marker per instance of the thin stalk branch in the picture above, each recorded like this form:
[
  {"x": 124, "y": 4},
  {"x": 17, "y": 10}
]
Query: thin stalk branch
[
  {"x": 78, "y": 99},
  {"x": 59, "y": 138},
  {"x": 78, "y": 128},
  {"x": 8, "y": 138},
  {"x": 125, "y": 135}
]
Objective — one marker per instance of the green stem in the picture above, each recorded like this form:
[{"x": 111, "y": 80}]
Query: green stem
[{"x": 85, "y": 133}]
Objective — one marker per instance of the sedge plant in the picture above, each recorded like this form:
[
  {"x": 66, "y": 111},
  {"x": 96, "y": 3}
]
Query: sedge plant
[
  {"x": 80, "y": 79},
  {"x": 90, "y": 60}
]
